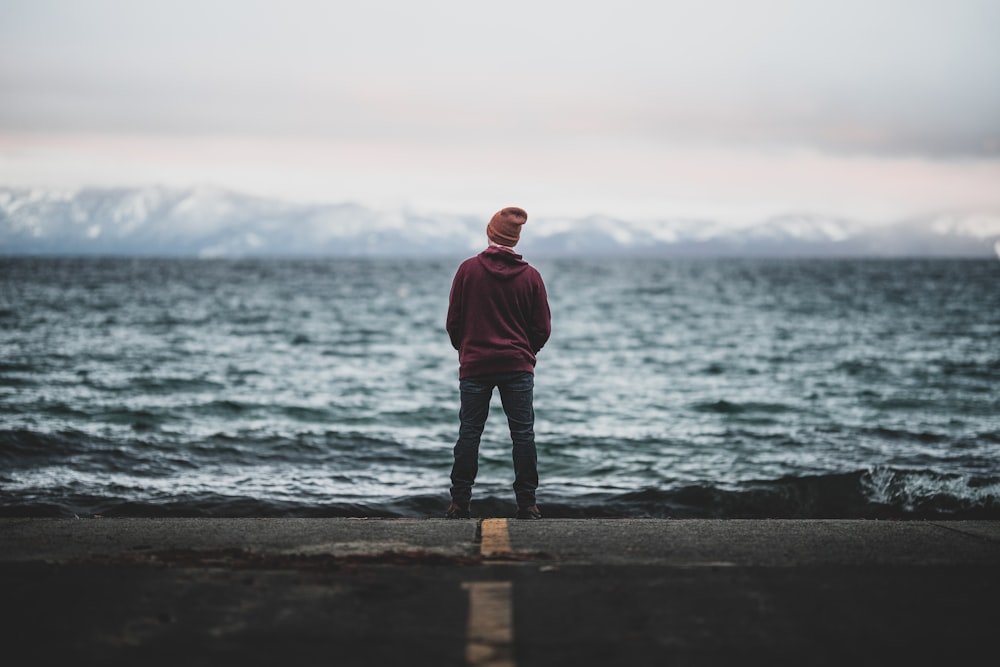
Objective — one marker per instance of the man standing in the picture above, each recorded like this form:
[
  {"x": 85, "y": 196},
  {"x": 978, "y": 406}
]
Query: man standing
[{"x": 498, "y": 320}]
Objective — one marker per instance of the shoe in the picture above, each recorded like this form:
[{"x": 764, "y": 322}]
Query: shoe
[
  {"x": 530, "y": 512},
  {"x": 457, "y": 512}
]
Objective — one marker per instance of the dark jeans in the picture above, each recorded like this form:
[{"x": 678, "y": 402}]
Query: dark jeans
[{"x": 516, "y": 394}]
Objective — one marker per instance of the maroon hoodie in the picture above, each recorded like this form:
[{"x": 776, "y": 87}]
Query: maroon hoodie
[{"x": 498, "y": 314}]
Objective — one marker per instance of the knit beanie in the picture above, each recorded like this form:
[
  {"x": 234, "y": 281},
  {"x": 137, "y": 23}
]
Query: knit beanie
[{"x": 505, "y": 226}]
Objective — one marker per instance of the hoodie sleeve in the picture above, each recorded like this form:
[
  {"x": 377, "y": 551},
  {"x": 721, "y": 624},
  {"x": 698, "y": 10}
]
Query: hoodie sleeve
[
  {"x": 453, "y": 323},
  {"x": 541, "y": 318}
]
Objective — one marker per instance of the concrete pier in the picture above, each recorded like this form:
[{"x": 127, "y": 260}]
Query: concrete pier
[{"x": 496, "y": 591}]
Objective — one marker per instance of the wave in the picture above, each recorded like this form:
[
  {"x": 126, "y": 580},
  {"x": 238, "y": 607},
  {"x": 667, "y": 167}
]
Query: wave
[
  {"x": 877, "y": 493},
  {"x": 734, "y": 408},
  {"x": 25, "y": 450},
  {"x": 26, "y": 447},
  {"x": 161, "y": 386}
]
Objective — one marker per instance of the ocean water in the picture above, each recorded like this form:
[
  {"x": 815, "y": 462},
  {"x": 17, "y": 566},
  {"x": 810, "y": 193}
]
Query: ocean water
[{"x": 670, "y": 388}]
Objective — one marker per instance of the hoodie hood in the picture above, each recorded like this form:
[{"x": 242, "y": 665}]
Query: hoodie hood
[{"x": 502, "y": 264}]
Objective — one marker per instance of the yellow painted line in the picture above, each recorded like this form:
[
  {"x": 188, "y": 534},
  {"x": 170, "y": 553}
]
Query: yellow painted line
[
  {"x": 495, "y": 538},
  {"x": 490, "y": 633}
]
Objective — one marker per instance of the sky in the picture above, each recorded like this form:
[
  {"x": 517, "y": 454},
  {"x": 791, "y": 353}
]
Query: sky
[{"x": 733, "y": 110}]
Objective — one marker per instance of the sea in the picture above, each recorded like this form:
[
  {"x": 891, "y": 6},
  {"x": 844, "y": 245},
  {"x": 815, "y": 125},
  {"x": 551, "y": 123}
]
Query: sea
[{"x": 671, "y": 388}]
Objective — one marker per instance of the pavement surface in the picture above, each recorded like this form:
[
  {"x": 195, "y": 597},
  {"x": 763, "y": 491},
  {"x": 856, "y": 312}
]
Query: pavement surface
[{"x": 497, "y": 592}]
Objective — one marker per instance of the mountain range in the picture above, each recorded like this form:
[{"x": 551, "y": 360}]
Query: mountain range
[{"x": 208, "y": 222}]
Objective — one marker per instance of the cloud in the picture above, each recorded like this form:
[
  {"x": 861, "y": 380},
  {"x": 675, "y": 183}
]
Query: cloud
[
  {"x": 884, "y": 76},
  {"x": 742, "y": 107}
]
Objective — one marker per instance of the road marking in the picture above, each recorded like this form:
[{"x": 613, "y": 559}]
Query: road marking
[
  {"x": 495, "y": 540},
  {"x": 490, "y": 633}
]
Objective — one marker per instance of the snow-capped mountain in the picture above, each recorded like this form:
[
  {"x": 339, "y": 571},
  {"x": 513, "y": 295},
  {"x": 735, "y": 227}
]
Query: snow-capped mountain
[{"x": 208, "y": 222}]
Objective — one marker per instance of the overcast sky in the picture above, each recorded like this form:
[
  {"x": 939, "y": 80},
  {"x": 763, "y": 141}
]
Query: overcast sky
[{"x": 736, "y": 110}]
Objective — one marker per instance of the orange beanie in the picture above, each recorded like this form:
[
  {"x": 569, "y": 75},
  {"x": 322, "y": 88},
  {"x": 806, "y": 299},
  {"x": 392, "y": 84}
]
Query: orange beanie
[{"x": 505, "y": 226}]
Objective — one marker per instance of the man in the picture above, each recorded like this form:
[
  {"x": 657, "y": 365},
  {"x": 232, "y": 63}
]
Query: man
[{"x": 498, "y": 320}]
